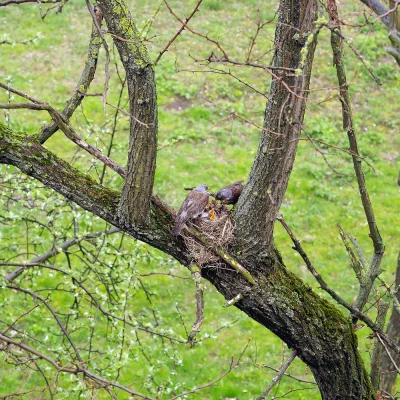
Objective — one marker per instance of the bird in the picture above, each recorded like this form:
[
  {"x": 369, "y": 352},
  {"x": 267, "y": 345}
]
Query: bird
[
  {"x": 194, "y": 204},
  {"x": 230, "y": 194}
]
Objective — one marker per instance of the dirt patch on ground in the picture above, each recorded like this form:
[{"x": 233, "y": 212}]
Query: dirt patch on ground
[{"x": 179, "y": 104}]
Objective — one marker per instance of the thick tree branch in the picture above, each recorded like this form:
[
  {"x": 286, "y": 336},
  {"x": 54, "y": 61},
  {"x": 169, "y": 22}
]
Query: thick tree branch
[
  {"x": 34, "y": 160},
  {"x": 259, "y": 204},
  {"x": 134, "y": 207}
]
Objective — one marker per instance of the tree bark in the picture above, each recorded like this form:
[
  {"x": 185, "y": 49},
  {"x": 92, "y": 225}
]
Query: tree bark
[
  {"x": 389, "y": 373},
  {"x": 262, "y": 196},
  {"x": 322, "y": 336},
  {"x": 134, "y": 207}
]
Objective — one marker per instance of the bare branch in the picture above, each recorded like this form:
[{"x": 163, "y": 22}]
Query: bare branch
[
  {"x": 388, "y": 352},
  {"x": 196, "y": 8},
  {"x": 55, "y": 316},
  {"x": 321, "y": 281},
  {"x": 7, "y": 2},
  {"x": 232, "y": 366},
  {"x": 83, "y": 83},
  {"x": 193, "y": 31},
  {"x": 195, "y": 270},
  {"x": 383, "y": 308},
  {"x": 63, "y": 124},
  {"x": 378, "y": 8},
  {"x": 55, "y": 250},
  {"x": 379, "y": 248},
  {"x": 278, "y": 376},
  {"x": 19, "y": 93},
  {"x": 69, "y": 370},
  {"x": 390, "y": 19}
]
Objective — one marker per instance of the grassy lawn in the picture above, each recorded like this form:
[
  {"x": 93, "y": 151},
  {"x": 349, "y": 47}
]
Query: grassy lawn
[{"x": 200, "y": 142}]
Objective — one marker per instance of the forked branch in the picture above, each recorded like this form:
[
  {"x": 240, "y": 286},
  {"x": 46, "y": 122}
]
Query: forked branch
[
  {"x": 83, "y": 83},
  {"x": 348, "y": 125}
]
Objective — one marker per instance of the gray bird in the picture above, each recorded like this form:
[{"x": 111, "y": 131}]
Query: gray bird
[
  {"x": 191, "y": 208},
  {"x": 230, "y": 194}
]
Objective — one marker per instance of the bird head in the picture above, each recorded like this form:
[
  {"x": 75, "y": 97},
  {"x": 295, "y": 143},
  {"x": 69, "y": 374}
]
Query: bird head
[{"x": 201, "y": 188}]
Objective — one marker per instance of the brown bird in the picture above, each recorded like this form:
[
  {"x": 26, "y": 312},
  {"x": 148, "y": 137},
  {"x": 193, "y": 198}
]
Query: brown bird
[
  {"x": 230, "y": 194},
  {"x": 194, "y": 204}
]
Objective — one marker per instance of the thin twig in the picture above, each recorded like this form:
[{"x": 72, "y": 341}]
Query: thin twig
[
  {"x": 320, "y": 280},
  {"x": 19, "y": 93},
  {"x": 64, "y": 125},
  {"x": 69, "y": 370},
  {"x": 278, "y": 376},
  {"x": 388, "y": 352},
  {"x": 347, "y": 116},
  {"x": 233, "y": 365},
  {"x": 84, "y": 82},
  {"x": 60, "y": 324},
  {"x": 196, "y": 8},
  {"x": 55, "y": 250},
  {"x": 195, "y": 270},
  {"x": 7, "y": 2}
]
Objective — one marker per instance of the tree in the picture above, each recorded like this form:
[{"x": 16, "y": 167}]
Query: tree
[{"x": 253, "y": 277}]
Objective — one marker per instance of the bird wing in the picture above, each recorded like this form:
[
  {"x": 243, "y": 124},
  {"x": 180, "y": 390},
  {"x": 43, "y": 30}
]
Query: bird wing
[{"x": 192, "y": 206}]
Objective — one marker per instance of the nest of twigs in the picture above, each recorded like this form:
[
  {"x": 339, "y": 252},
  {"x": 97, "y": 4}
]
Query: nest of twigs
[{"x": 218, "y": 232}]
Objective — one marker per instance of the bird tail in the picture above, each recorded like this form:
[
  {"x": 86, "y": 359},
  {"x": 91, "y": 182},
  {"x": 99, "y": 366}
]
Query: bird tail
[{"x": 177, "y": 228}]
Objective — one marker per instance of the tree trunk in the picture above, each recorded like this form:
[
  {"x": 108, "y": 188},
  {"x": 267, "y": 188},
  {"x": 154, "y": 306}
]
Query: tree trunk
[
  {"x": 389, "y": 373},
  {"x": 134, "y": 206},
  {"x": 259, "y": 204}
]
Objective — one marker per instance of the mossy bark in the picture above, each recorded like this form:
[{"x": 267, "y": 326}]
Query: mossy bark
[
  {"x": 321, "y": 334},
  {"x": 134, "y": 207}
]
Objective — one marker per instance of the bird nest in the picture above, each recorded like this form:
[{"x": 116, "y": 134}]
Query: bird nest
[{"x": 217, "y": 228}]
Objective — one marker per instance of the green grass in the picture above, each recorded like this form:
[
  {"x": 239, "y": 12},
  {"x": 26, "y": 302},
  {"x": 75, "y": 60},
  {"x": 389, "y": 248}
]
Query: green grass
[{"x": 197, "y": 144}]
